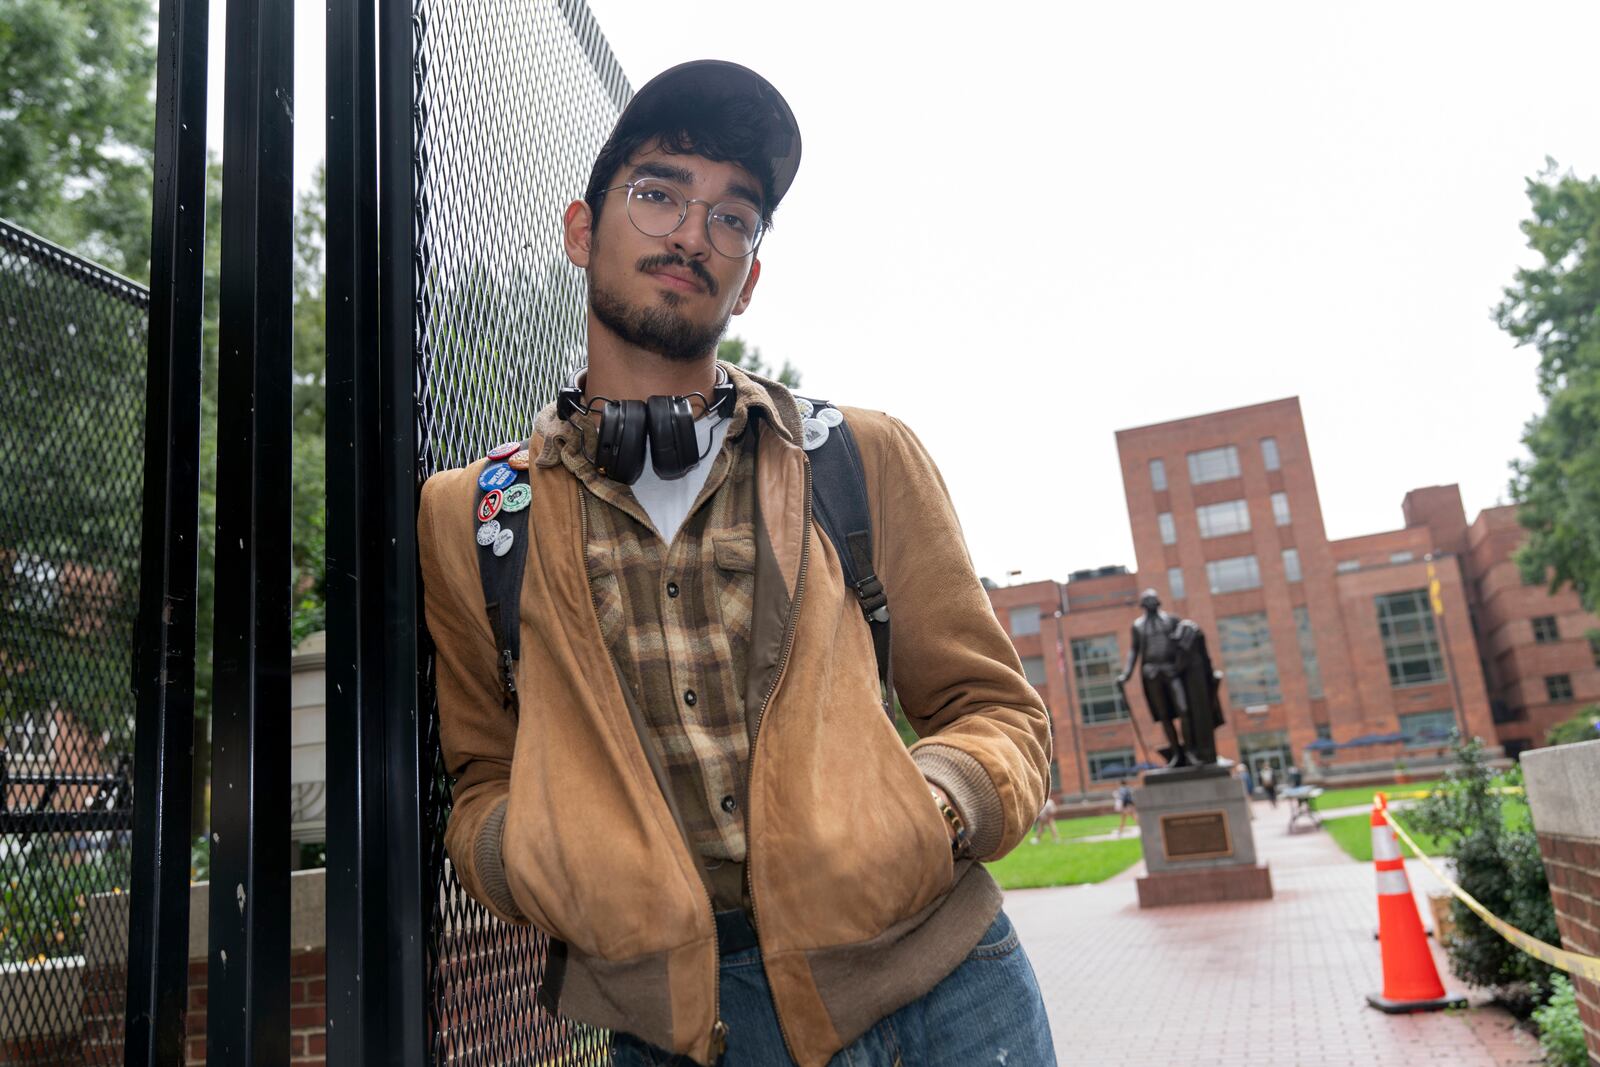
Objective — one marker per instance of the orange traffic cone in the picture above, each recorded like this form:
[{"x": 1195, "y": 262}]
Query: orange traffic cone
[{"x": 1410, "y": 979}]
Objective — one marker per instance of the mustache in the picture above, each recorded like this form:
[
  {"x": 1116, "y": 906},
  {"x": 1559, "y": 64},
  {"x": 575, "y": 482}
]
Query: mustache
[{"x": 672, "y": 259}]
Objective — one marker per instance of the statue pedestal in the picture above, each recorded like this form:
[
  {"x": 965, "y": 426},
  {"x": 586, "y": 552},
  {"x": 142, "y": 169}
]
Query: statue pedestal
[{"x": 1194, "y": 823}]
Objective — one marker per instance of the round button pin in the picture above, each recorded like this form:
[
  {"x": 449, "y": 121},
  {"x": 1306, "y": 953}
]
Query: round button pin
[
  {"x": 518, "y": 461},
  {"x": 830, "y": 416},
  {"x": 488, "y": 532},
  {"x": 496, "y": 476},
  {"x": 502, "y": 542},
  {"x": 500, "y": 452},
  {"x": 806, "y": 407},
  {"x": 815, "y": 433},
  {"x": 489, "y": 506},
  {"x": 518, "y": 497}
]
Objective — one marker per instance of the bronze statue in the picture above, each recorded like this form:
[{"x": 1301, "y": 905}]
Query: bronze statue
[{"x": 1179, "y": 684}]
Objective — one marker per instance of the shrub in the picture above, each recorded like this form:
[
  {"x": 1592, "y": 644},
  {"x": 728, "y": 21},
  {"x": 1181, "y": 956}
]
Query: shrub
[
  {"x": 1501, "y": 867},
  {"x": 1560, "y": 1031},
  {"x": 1584, "y": 726}
]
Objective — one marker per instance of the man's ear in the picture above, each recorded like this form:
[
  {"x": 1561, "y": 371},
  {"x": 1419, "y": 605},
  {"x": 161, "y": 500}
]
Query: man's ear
[
  {"x": 577, "y": 233},
  {"x": 748, "y": 288}
]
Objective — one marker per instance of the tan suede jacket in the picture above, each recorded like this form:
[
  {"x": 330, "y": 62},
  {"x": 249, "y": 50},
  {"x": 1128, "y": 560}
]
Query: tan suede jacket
[{"x": 561, "y": 813}]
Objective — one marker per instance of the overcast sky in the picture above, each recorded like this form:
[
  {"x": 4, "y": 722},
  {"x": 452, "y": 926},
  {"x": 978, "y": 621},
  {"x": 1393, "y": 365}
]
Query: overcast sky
[{"x": 1023, "y": 227}]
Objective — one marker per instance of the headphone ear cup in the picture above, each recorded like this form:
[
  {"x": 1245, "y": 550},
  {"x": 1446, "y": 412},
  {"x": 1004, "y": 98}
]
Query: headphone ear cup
[
  {"x": 619, "y": 453},
  {"x": 674, "y": 448}
]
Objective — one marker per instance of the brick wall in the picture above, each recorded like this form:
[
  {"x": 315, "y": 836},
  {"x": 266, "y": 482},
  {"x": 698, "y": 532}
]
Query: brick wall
[
  {"x": 308, "y": 1002},
  {"x": 1564, "y": 796},
  {"x": 1573, "y": 864}
]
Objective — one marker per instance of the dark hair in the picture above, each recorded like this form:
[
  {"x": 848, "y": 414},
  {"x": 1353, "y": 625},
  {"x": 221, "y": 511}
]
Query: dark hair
[{"x": 726, "y": 129}]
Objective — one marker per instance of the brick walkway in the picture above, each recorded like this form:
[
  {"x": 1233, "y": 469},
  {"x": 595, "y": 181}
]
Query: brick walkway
[{"x": 1277, "y": 983}]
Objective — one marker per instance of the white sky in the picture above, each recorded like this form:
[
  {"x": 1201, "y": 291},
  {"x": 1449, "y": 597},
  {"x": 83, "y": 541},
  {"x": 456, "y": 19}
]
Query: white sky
[{"x": 1025, "y": 229}]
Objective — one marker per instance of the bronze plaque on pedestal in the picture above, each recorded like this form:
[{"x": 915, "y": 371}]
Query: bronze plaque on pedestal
[{"x": 1196, "y": 835}]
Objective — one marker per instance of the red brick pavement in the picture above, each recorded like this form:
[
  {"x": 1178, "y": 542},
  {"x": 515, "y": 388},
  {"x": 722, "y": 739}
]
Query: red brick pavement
[{"x": 1269, "y": 983}]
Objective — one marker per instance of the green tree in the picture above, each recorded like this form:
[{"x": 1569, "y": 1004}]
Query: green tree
[
  {"x": 77, "y": 107},
  {"x": 1584, "y": 726},
  {"x": 1555, "y": 306},
  {"x": 734, "y": 350}
]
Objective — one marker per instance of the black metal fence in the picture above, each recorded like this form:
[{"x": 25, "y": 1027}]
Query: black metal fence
[
  {"x": 73, "y": 340},
  {"x": 511, "y": 106}
]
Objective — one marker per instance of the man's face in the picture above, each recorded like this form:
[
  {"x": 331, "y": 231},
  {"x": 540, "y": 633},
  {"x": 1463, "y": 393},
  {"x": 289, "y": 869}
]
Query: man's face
[
  {"x": 1150, "y": 602},
  {"x": 670, "y": 295}
]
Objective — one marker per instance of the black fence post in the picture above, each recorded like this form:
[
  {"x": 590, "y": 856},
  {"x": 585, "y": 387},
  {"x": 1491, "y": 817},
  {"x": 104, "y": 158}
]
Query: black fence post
[
  {"x": 359, "y": 928},
  {"x": 158, "y": 906},
  {"x": 398, "y": 486},
  {"x": 248, "y": 973}
]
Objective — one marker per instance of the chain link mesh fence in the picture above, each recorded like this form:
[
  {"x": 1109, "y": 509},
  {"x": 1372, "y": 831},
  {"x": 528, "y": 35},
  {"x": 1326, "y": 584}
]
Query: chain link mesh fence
[
  {"x": 73, "y": 347},
  {"x": 512, "y": 103}
]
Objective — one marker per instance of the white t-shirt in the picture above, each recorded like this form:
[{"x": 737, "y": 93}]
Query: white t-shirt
[{"x": 668, "y": 503}]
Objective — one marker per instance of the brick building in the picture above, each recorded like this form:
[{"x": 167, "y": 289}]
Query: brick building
[{"x": 1335, "y": 658}]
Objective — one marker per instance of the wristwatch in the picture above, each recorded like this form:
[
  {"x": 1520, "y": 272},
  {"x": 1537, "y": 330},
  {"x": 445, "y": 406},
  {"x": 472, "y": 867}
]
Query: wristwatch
[{"x": 958, "y": 843}]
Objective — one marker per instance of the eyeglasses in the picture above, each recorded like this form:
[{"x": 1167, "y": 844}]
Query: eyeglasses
[{"x": 657, "y": 208}]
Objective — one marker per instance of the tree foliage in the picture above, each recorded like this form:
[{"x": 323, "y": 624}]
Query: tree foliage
[
  {"x": 1555, "y": 306},
  {"x": 734, "y": 350},
  {"x": 77, "y": 111}
]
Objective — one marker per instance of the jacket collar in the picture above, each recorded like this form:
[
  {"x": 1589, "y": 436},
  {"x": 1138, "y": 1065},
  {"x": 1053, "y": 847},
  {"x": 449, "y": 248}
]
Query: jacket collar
[{"x": 752, "y": 394}]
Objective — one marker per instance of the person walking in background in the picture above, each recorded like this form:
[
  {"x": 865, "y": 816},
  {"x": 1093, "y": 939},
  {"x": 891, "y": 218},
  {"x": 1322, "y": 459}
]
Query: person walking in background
[
  {"x": 1122, "y": 801},
  {"x": 1269, "y": 782},
  {"x": 1046, "y": 817}
]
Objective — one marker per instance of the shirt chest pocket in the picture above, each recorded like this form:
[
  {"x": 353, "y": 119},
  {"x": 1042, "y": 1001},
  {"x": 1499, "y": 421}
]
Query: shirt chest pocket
[{"x": 733, "y": 581}]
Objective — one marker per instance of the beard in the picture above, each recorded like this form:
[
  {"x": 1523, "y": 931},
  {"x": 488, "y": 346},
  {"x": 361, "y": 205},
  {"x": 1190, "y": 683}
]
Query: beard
[{"x": 660, "y": 329}]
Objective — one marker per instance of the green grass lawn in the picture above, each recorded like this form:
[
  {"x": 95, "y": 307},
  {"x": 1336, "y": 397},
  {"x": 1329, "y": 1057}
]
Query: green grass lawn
[
  {"x": 1087, "y": 826},
  {"x": 1362, "y": 794},
  {"x": 1069, "y": 863},
  {"x": 1353, "y": 833}
]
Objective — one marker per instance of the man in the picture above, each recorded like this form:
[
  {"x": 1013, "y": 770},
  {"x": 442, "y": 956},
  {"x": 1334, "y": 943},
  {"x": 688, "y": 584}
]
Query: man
[{"x": 697, "y": 794}]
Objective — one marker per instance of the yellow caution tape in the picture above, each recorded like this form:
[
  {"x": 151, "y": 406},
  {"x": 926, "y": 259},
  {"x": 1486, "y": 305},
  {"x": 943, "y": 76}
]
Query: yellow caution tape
[{"x": 1559, "y": 958}]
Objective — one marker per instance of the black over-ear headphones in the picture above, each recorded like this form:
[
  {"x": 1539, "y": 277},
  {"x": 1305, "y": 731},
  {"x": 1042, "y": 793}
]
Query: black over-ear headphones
[{"x": 667, "y": 421}]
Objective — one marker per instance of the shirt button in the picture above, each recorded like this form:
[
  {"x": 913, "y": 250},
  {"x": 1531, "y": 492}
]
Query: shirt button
[
  {"x": 689, "y": 698},
  {"x": 728, "y": 804},
  {"x": 672, "y": 589}
]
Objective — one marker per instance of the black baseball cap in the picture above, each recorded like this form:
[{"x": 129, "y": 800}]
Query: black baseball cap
[{"x": 710, "y": 81}]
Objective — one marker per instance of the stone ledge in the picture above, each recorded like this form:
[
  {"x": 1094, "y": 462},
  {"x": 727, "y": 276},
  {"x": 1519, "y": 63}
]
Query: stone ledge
[{"x": 1563, "y": 786}]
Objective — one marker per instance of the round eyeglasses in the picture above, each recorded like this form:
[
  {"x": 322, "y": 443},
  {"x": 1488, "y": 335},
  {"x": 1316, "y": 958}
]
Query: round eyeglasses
[{"x": 657, "y": 208}]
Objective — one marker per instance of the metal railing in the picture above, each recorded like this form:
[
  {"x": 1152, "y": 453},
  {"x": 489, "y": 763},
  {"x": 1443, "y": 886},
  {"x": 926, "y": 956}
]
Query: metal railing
[{"x": 72, "y": 345}]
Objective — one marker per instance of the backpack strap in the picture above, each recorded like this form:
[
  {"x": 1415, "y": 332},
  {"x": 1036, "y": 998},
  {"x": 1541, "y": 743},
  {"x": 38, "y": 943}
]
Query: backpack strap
[
  {"x": 501, "y": 508},
  {"x": 839, "y": 499}
]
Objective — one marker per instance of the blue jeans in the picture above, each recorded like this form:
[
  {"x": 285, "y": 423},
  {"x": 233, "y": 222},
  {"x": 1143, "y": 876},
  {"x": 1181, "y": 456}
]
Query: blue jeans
[{"x": 988, "y": 1010}]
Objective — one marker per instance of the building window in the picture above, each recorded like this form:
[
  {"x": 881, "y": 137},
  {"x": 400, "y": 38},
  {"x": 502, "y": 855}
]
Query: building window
[
  {"x": 1558, "y": 686},
  {"x": 1213, "y": 465},
  {"x": 1428, "y": 728},
  {"x": 1033, "y": 670},
  {"x": 1175, "y": 583},
  {"x": 1280, "y": 509},
  {"x": 1308, "y": 652},
  {"x": 1169, "y": 532},
  {"x": 1345, "y": 566},
  {"x": 1158, "y": 475},
  {"x": 1251, "y": 668},
  {"x": 1402, "y": 557},
  {"x": 1594, "y": 648},
  {"x": 1025, "y": 620},
  {"x": 1095, "y": 666},
  {"x": 1269, "y": 452},
  {"x": 1291, "y": 564},
  {"x": 1409, "y": 640},
  {"x": 1110, "y": 764},
  {"x": 1219, "y": 520},
  {"x": 1544, "y": 630},
  {"x": 1233, "y": 574},
  {"x": 1055, "y": 776}
]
